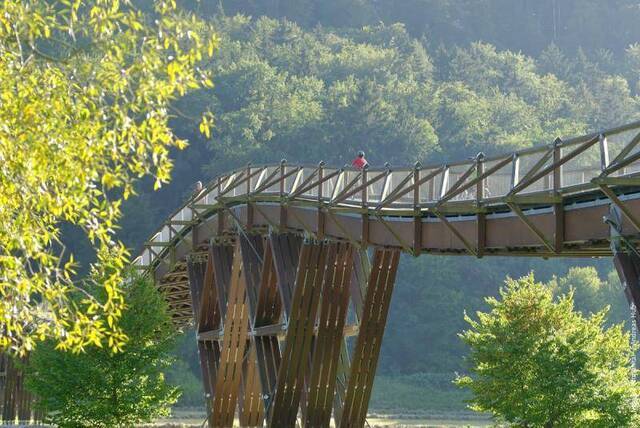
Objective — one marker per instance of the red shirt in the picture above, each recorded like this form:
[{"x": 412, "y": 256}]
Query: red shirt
[{"x": 359, "y": 162}]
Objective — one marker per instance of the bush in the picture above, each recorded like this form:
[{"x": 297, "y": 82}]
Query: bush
[
  {"x": 538, "y": 362},
  {"x": 98, "y": 388}
]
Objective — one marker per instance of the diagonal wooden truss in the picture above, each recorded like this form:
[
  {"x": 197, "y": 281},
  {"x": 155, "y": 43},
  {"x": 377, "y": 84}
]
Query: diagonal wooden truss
[{"x": 273, "y": 315}]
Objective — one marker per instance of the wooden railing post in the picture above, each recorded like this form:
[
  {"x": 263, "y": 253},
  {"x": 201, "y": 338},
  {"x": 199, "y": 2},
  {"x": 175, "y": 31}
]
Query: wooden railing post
[
  {"x": 365, "y": 214},
  {"x": 481, "y": 218},
  {"x": 221, "y": 212},
  {"x": 557, "y": 170},
  {"x": 249, "y": 205},
  {"x": 321, "y": 213},
  {"x": 283, "y": 208},
  {"x": 604, "y": 152},
  {"x": 417, "y": 213},
  {"x": 558, "y": 207},
  {"x": 515, "y": 171}
]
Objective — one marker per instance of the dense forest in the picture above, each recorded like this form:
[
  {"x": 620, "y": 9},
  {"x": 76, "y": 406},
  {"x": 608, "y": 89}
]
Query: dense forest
[{"x": 406, "y": 81}]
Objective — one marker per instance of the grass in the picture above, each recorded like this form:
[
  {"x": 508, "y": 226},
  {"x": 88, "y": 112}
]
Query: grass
[
  {"x": 194, "y": 419},
  {"x": 416, "y": 400},
  {"x": 419, "y": 392}
]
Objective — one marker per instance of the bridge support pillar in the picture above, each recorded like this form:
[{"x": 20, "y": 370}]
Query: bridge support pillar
[
  {"x": 628, "y": 267},
  {"x": 626, "y": 259},
  {"x": 273, "y": 315}
]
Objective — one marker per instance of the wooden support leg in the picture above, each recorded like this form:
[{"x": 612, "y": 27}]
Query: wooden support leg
[
  {"x": 268, "y": 312},
  {"x": 209, "y": 355},
  {"x": 625, "y": 258},
  {"x": 251, "y": 288},
  {"x": 628, "y": 268},
  {"x": 328, "y": 344},
  {"x": 206, "y": 315},
  {"x": 196, "y": 268},
  {"x": 302, "y": 309},
  {"x": 233, "y": 347},
  {"x": 251, "y": 404},
  {"x": 358, "y": 288},
  {"x": 369, "y": 341}
]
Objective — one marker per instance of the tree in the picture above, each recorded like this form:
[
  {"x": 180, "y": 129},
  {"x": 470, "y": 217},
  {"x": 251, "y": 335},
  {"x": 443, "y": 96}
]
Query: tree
[
  {"x": 535, "y": 362},
  {"x": 591, "y": 294},
  {"x": 86, "y": 88},
  {"x": 99, "y": 388}
]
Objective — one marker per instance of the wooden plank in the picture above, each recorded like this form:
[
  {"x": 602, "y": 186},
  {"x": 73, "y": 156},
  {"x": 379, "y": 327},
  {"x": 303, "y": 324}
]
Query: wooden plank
[
  {"x": 359, "y": 278},
  {"x": 222, "y": 256},
  {"x": 251, "y": 405},
  {"x": 327, "y": 349},
  {"x": 342, "y": 378},
  {"x": 285, "y": 251},
  {"x": 269, "y": 305},
  {"x": 233, "y": 347},
  {"x": 196, "y": 268},
  {"x": 623, "y": 207},
  {"x": 269, "y": 310},
  {"x": 208, "y": 355},
  {"x": 252, "y": 251},
  {"x": 210, "y": 315},
  {"x": 207, "y": 317},
  {"x": 369, "y": 341},
  {"x": 269, "y": 358},
  {"x": 302, "y": 317}
]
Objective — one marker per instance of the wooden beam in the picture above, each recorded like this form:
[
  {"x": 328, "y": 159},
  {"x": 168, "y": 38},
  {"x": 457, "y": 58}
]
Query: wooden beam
[
  {"x": 327, "y": 345},
  {"x": 233, "y": 347},
  {"x": 302, "y": 315},
  {"x": 456, "y": 232},
  {"x": 369, "y": 341},
  {"x": 625, "y": 210},
  {"x": 532, "y": 227}
]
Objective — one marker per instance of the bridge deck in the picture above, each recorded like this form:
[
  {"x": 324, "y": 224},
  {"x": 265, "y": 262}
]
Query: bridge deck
[{"x": 546, "y": 201}]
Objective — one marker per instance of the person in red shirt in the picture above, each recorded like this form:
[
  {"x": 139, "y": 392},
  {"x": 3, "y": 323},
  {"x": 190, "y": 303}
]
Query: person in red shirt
[{"x": 360, "y": 162}]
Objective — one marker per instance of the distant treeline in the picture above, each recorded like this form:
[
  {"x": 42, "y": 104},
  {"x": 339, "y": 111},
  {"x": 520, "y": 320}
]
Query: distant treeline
[{"x": 519, "y": 25}]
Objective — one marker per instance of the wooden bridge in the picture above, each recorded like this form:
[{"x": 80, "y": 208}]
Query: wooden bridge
[{"x": 287, "y": 270}]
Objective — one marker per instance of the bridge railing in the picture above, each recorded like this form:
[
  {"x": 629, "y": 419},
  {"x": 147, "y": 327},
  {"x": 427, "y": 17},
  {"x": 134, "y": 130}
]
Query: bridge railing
[{"x": 533, "y": 176}]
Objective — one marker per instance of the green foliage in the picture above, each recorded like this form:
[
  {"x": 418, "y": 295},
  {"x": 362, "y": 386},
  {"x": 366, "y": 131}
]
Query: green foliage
[
  {"x": 185, "y": 371},
  {"x": 520, "y": 25},
  {"x": 537, "y": 362},
  {"x": 282, "y": 92},
  {"x": 592, "y": 294},
  {"x": 280, "y": 87},
  {"x": 85, "y": 92},
  {"x": 98, "y": 388}
]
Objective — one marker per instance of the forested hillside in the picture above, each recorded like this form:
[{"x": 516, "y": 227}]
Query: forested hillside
[{"x": 406, "y": 81}]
